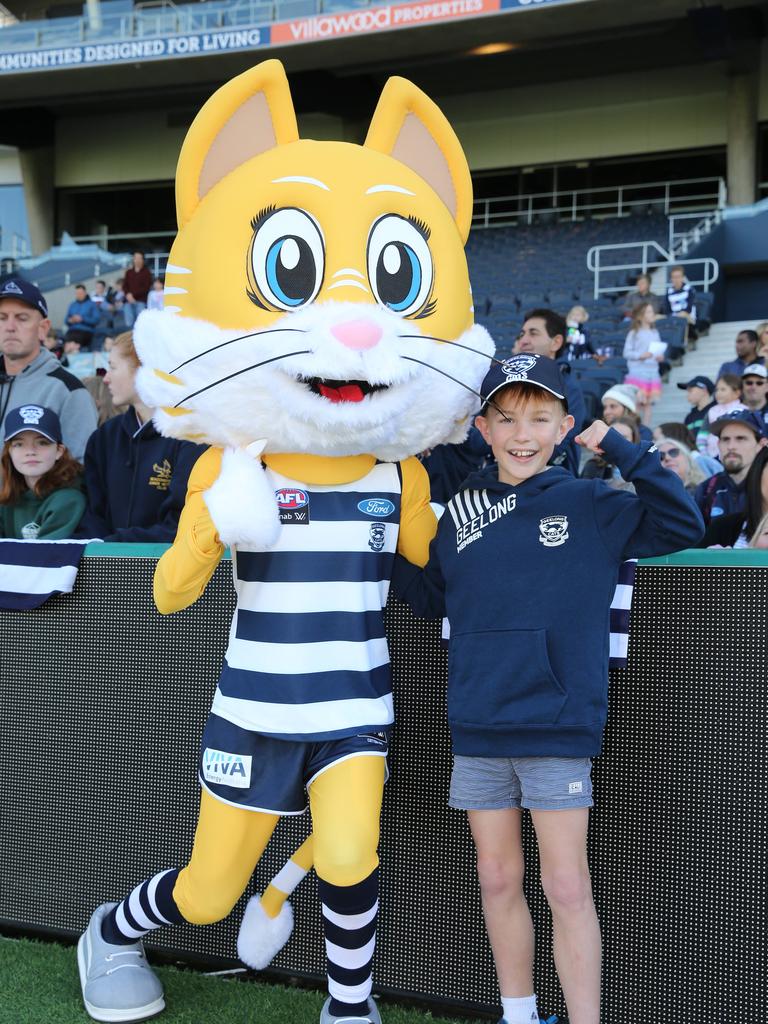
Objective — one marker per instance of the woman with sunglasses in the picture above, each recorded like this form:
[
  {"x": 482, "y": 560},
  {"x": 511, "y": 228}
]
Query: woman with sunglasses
[{"x": 680, "y": 460}]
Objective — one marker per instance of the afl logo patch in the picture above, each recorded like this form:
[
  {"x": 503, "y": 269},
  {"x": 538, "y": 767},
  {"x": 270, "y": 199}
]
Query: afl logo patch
[
  {"x": 291, "y": 498},
  {"x": 554, "y": 531},
  {"x": 376, "y": 507}
]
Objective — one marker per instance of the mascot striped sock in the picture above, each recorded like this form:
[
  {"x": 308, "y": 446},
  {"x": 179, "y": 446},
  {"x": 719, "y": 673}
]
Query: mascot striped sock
[
  {"x": 149, "y": 906},
  {"x": 349, "y": 921}
]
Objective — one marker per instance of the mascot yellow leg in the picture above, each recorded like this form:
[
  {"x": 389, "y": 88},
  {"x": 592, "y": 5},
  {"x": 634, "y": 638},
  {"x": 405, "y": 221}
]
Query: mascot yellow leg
[
  {"x": 268, "y": 920},
  {"x": 228, "y": 844}
]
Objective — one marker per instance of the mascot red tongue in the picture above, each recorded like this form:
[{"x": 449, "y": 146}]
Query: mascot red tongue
[{"x": 313, "y": 296}]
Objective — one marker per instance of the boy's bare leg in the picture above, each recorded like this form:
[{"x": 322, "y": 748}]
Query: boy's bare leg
[
  {"x": 500, "y": 869},
  {"x": 562, "y": 840}
]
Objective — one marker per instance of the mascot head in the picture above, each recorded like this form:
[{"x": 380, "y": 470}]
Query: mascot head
[{"x": 317, "y": 294}]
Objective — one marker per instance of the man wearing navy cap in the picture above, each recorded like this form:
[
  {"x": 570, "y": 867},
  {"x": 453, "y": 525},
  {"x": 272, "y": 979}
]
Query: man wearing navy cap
[
  {"x": 30, "y": 374},
  {"x": 754, "y": 382},
  {"x": 699, "y": 391},
  {"x": 740, "y": 435}
]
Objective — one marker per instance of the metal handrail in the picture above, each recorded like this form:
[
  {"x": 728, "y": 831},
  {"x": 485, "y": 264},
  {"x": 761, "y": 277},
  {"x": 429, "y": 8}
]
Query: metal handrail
[
  {"x": 710, "y": 267},
  {"x": 568, "y": 204},
  {"x": 681, "y": 241}
]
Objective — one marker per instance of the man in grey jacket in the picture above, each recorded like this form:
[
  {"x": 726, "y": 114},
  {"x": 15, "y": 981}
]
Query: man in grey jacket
[{"x": 30, "y": 373}]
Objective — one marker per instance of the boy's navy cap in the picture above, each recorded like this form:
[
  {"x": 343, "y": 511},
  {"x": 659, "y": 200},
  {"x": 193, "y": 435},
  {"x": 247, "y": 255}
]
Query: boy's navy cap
[
  {"x": 699, "y": 382},
  {"x": 525, "y": 368},
  {"x": 749, "y": 419},
  {"x": 24, "y": 291},
  {"x": 33, "y": 417}
]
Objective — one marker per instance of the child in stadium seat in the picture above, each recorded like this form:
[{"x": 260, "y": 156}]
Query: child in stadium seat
[
  {"x": 727, "y": 399},
  {"x": 528, "y": 675},
  {"x": 135, "y": 479},
  {"x": 40, "y": 496},
  {"x": 644, "y": 350}
]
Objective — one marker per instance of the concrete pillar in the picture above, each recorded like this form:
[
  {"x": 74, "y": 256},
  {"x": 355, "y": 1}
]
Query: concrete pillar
[
  {"x": 37, "y": 178},
  {"x": 742, "y": 138}
]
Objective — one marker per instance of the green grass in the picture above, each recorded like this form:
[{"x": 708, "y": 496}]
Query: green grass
[{"x": 39, "y": 984}]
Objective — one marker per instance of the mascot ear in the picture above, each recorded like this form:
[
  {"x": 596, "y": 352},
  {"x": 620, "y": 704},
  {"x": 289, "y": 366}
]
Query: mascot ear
[
  {"x": 249, "y": 115},
  {"x": 408, "y": 126}
]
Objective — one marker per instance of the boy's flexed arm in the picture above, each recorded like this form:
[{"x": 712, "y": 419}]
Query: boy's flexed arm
[
  {"x": 183, "y": 572},
  {"x": 660, "y": 518}
]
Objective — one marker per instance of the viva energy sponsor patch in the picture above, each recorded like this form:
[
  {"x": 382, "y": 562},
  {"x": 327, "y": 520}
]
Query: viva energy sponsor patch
[{"x": 225, "y": 769}]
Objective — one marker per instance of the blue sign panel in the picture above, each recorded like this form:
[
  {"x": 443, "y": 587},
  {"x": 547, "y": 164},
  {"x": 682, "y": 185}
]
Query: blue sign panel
[{"x": 133, "y": 51}]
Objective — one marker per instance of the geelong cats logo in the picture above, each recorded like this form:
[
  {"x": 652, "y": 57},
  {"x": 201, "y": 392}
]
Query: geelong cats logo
[{"x": 554, "y": 531}]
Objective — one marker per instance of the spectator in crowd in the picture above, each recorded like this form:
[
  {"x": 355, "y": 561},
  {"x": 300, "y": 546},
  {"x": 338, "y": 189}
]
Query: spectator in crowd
[
  {"x": 740, "y": 437},
  {"x": 760, "y": 536},
  {"x": 136, "y": 480},
  {"x": 136, "y": 285},
  {"x": 681, "y": 460},
  {"x": 82, "y": 318},
  {"x": 678, "y": 432},
  {"x": 40, "y": 493},
  {"x": 543, "y": 333},
  {"x": 600, "y": 468},
  {"x": 156, "y": 295},
  {"x": 699, "y": 391},
  {"x": 577, "y": 343},
  {"x": 641, "y": 294},
  {"x": 30, "y": 374},
  {"x": 754, "y": 390},
  {"x": 727, "y": 399},
  {"x": 746, "y": 354},
  {"x": 762, "y": 341},
  {"x": 619, "y": 402},
  {"x": 738, "y": 530},
  {"x": 100, "y": 298},
  {"x": 99, "y": 392},
  {"x": 680, "y": 299},
  {"x": 53, "y": 343},
  {"x": 644, "y": 350}
]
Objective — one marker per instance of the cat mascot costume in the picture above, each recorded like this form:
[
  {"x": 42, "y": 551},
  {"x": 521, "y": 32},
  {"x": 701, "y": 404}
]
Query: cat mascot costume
[{"x": 318, "y": 334}]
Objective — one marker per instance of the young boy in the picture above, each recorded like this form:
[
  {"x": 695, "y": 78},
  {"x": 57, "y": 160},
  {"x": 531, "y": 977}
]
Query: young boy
[{"x": 524, "y": 564}]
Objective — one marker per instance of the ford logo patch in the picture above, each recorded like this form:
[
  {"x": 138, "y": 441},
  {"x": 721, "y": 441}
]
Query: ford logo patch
[{"x": 376, "y": 507}]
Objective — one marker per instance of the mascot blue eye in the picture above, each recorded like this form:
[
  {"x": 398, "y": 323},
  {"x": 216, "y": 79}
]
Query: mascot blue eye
[
  {"x": 398, "y": 276},
  {"x": 290, "y": 271},
  {"x": 287, "y": 259},
  {"x": 400, "y": 268}
]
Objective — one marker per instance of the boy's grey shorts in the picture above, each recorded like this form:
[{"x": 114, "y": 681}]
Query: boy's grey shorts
[{"x": 538, "y": 783}]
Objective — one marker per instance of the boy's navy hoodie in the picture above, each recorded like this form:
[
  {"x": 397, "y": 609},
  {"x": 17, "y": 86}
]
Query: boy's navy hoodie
[
  {"x": 526, "y": 574},
  {"x": 136, "y": 481}
]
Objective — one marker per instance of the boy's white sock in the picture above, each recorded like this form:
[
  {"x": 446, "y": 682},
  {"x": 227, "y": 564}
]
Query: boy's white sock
[{"x": 520, "y": 1011}]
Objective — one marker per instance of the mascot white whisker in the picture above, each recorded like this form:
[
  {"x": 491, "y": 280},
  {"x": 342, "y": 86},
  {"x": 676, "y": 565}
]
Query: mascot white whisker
[{"x": 321, "y": 337}]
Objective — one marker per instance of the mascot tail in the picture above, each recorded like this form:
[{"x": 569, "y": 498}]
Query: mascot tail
[{"x": 268, "y": 920}]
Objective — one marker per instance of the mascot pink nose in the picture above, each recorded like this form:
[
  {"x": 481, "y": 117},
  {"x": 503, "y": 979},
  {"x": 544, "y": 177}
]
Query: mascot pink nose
[{"x": 357, "y": 334}]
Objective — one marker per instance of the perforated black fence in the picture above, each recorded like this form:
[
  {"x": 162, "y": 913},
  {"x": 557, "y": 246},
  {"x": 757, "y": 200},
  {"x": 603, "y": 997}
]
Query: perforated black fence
[{"x": 103, "y": 704}]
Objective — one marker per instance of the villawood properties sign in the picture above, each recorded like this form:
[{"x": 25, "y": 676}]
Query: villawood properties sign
[{"x": 299, "y": 30}]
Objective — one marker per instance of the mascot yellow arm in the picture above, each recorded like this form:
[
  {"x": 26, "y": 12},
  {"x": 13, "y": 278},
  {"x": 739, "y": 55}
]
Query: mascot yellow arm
[
  {"x": 418, "y": 523},
  {"x": 183, "y": 572}
]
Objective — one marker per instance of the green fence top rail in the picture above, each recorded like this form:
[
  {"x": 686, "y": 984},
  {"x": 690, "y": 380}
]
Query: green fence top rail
[{"x": 694, "y": 557}]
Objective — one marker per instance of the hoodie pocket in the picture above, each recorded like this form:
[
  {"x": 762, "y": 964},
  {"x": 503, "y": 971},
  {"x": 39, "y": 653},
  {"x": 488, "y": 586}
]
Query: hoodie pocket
[{"x": 503, "y": 677}]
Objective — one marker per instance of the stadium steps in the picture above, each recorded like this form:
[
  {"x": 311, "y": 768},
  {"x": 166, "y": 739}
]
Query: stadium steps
[{"x": 711, "y": 351}]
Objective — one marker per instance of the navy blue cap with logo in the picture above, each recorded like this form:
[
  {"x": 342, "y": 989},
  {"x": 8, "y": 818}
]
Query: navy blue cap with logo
[
  {"x": 525, "y": 368},
  {"x": 698, "y": 382},
  {"x": 745, "y": 416},
  {"x": 24, "y": 291},
  {"x": 33, "y": 417}
]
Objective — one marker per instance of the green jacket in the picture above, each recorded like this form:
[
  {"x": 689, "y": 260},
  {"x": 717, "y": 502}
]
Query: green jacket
[{"x": 52, "y": 518}]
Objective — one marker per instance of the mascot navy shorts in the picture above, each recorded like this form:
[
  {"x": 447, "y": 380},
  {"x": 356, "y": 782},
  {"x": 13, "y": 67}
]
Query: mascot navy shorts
[{"x": 260, "y": 773}]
